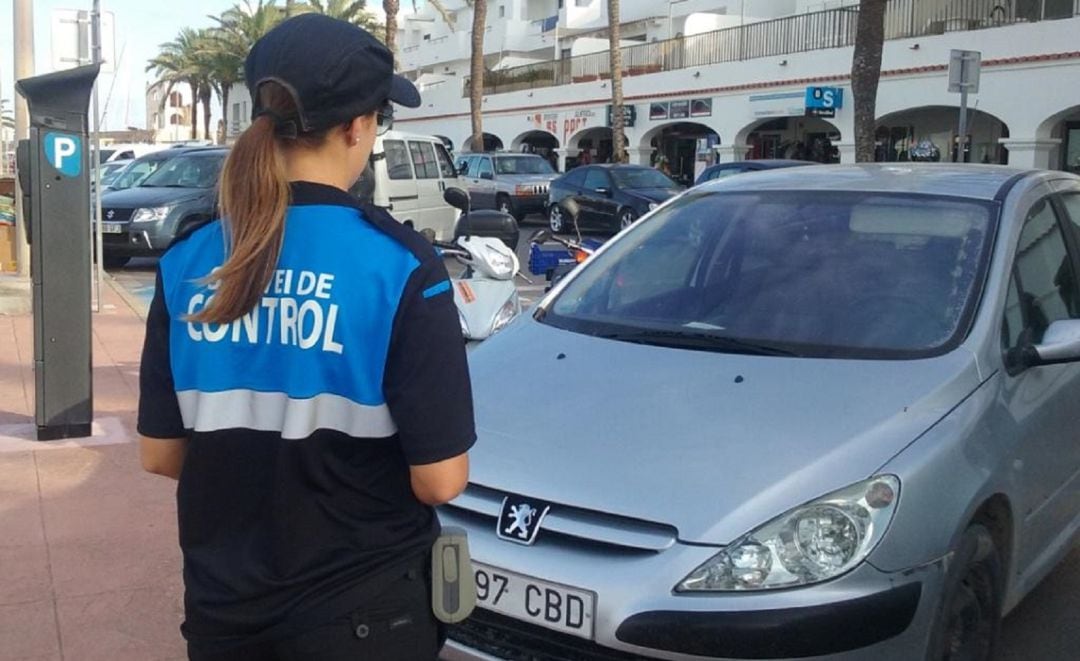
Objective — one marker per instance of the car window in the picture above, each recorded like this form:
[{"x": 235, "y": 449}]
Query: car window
[
  {"x": 826, "y": 274},
  {"x": 1043, "y": 287},
  {"x": 522, "y": 165},
  {"x": 464, "y": 166},
  {"x": 397, "y": 160},
  {"x": 574, "y": 177},
  {"x": 1071, "y": 201},
  {"x": 104, "y": 155},
  {"x": 423, "y": 158},
  {"x": 596, "y": 178},
  {"x": 194, "y": 171},
  {"x": 722, "y": 173},
  {"x": 125, "y": 155},
  {"x": 446, "y": 164},
  {"x": 483, "y": 166},
  {"x": 135, "y": 173},
  {"x": 638, "y": 178}
]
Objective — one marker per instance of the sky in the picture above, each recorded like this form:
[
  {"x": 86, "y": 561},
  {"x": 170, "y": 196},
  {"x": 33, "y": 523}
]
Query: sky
[{"x": 141, "y": 25}]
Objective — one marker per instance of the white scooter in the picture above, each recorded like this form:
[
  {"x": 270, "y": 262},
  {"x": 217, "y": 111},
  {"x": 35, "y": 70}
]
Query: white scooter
[{"x": 485, "y": 293}]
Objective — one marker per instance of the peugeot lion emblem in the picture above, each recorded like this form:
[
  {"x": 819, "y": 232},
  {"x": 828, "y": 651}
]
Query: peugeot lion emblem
[
  {"x": 520, "y": 518},
  {"x": 110, "y": 214}
]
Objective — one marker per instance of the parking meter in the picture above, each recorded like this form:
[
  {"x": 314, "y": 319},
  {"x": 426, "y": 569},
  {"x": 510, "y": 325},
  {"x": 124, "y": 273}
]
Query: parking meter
[{"x": 54, "y": 167}]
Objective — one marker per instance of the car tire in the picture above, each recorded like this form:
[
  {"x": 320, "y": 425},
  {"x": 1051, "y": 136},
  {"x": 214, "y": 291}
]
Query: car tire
[
  {"x": 969, "y": 614},
  {"x": 626, "y": 218},
  {"x": 115, "y": 261},
  {"x": 503, "y": 204},
  {"x": 556, "y": 219}
]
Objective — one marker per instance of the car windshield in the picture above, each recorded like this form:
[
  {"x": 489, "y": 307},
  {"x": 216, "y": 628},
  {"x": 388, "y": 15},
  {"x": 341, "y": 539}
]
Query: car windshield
[
  {"x": 522, "y": 165},
  {"x": 825, "y": 274},
  {"x": 192, "y": 171},
  {"x": 633, "y": 178},
  {"x": 110, "y": 172}
]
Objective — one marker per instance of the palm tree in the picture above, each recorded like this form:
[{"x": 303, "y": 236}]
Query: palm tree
[
  {"x": 476, "y": 78},
  {"x": 353, "y": 11},
  {"x": 177, "y": 63},
  {"x": 618, "y": 139},
  {"x": 865, "y": 74},
  {"x": 390, "y": 8}
]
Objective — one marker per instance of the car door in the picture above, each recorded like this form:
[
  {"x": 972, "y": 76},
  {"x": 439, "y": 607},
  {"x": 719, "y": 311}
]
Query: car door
[
  {"x": 1041, "y": 401},
  {"x": 484, "y": 197},
  {"x": 401, "y": 182},
  {"x": 428, "y": 184},
  {"x": 445, "y": 215},
  {"x": 596, "y": 198}
]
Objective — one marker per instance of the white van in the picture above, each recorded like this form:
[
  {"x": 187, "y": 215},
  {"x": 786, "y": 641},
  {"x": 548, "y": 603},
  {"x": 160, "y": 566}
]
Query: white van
[
  {"x": 411, "y": 172},
  {"x": 123, "y": 151}
]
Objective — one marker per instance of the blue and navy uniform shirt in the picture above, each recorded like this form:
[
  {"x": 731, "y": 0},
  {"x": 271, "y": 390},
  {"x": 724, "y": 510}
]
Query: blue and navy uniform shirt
[{"x": 304, "y": 415}]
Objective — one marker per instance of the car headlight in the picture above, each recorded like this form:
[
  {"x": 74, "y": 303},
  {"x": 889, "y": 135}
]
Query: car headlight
[
  {"x": 653, "y": 205},
  {"x": 506, "y": 314},
  {"x": 150, "y": 214},
  {"x": 812, "y": 543}
]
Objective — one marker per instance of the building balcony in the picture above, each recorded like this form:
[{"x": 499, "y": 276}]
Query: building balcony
[{"x": 834, "y": 28}]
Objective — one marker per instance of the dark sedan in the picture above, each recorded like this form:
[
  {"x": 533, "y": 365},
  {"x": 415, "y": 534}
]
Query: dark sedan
[
  {"x": 610, "y": 197},
  {"x": 721, "y": 170}
]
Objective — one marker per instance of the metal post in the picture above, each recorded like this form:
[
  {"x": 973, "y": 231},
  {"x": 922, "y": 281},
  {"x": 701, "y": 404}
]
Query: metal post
[
  {"x": 98, "y": 241},
  {"x": 962, "y": 138},
  {"x": 24, "y": 68}
]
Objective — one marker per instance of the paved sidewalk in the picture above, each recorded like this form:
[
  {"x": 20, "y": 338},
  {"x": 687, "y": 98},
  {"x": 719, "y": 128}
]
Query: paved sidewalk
[{"x": 89, "y": 562}]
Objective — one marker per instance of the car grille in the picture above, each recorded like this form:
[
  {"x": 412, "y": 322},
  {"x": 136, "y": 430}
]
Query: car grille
[
  {"x": 533, "y": 189},
  {"x": 506, "y": 638},
  {"x": 117, "y": 214},
  {"x": 625, "y": 534}
]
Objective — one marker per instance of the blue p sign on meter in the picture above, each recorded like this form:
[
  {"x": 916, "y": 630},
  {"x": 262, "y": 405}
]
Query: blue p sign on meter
[{"x": 64, "y": 152}]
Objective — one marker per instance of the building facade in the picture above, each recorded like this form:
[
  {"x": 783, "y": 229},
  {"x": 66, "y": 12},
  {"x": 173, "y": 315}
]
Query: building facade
[
  {"x": 168, "y": 112},
  {"x": 721, "y": 80}
]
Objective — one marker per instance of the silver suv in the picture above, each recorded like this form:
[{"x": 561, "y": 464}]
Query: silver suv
[{"x": 513, "y": 183}]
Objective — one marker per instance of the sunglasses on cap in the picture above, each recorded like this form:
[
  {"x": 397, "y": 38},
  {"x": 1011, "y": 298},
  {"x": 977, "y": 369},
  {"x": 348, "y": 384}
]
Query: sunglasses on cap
[{"x": 384, "y": 118}]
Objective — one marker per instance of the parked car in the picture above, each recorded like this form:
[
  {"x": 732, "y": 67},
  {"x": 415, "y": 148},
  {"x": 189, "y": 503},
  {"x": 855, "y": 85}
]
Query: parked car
[
  {"x": 828, "y": 413},
  {"x": 127, "y": 151},
  {"x": 512, "y": 183},
  {"x": 144, "y": 219},
  {"x": 721, "y": 170},
  {"x": 139, "y": 169},
  {"x": 610, "y": 197},
  {"x": 410, "y": 181}
]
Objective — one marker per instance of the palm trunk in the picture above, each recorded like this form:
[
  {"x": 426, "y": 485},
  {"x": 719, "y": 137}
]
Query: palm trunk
[
  {"x": 865, "y": 74},
  {"x": 476, "y": 79},
  {"x": 206, "y": 116},
  {"x": 618, "y": 138},
  {"x": 194, "y": 111},
  {"x": 225, "y": 110},
  {"x": 390, "y": 7}
]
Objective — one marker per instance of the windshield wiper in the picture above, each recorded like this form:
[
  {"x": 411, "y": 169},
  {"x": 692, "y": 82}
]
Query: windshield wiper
[{"x": 679, "y": 339}]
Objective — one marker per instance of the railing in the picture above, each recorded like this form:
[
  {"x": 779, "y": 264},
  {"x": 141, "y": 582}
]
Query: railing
[{"x": 833, "y": 28}]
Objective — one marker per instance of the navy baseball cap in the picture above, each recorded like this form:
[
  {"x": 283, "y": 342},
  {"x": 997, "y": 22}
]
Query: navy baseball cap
[{"x": 334, "y": 70}]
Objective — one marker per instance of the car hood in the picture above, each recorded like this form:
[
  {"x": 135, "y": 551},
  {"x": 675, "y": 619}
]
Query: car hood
[
  {"x": 654, "y": 194},
  {"x": 713, "y": 444},
  {"x": 145, "y": 196},
  {"x": 527, "y": 178}
]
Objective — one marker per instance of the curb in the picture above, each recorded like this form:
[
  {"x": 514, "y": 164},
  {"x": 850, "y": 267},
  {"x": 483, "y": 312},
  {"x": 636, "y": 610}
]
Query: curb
[
  {"x": 15, "y": 296},
  {"x": 137, "y": 306}
]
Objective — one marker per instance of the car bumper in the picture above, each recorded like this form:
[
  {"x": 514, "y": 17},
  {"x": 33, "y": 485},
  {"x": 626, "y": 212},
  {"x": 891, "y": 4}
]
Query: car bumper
[
  {"x": 135, "y": 241},
  {"x": 530, "y": 204},
  {"x": 866, "y": 614}
]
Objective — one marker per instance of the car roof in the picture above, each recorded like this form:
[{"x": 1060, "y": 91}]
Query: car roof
[
  {"x": 948, "y": 179},
  {"x": 619, "y": 166},
  {"x": 765, "y": 163}
]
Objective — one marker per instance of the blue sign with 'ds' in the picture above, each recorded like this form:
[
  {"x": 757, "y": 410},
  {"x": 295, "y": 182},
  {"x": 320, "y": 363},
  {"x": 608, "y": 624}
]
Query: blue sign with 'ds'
[{"x": 64, "y": 152}]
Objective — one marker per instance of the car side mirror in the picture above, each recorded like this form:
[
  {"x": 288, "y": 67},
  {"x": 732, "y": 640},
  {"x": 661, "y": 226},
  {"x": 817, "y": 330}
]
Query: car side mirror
[
  {"x": 462, "y": 170},
  {"x": 603, "y": 190},
  {"x": 540, "y": 236},
  {"x": 1060, "y": 344},
  {"x": 487, "y": 175},
  {"x": 457, "y": 198}
]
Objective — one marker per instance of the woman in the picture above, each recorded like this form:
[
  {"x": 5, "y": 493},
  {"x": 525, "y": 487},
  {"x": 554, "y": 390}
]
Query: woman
[{"x": 304, "y": 377}]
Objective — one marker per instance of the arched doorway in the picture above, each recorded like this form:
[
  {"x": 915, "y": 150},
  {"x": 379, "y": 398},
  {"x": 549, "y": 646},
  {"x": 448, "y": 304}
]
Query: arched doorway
[
  {"x": 541, "y": 143},
  {"x": 682, "y": 150},
  {"x": 492, "y": 142},
  {"x": 590, "y": 146},
  {"x": 1064, "y": 127},
  {"x": 930, "y": 133},
  {"x": 798, "y": 138}
]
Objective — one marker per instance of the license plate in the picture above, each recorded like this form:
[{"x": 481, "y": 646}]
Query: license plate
[
  {"x": 112, "y": 228},
  {"x": 545, "y": 604}
]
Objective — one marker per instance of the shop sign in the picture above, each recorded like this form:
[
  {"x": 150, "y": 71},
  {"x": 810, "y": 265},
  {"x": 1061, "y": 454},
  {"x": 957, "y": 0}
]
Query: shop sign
[
  {"x": 545, "y": 122},
  {"x": 823, "y": 101},
  {"x": 778, "y": 104},
  {"x": 679, "y": 109},
  {"x": 629, "y": 115}
]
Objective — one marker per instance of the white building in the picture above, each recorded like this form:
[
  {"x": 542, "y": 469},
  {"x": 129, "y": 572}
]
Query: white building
[
  {"x": 169, "y": 117},
  {"x": 727, "y": 79}
]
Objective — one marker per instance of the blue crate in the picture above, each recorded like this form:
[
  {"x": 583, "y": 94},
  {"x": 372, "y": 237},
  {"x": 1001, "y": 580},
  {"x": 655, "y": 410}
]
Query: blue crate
[{"x": 546, "y": 258}]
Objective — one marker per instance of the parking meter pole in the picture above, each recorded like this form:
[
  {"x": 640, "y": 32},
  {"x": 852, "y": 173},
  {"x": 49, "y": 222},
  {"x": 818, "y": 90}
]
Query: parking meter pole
[
  {"x": 98, "y": 250},
  {"x": 54, "y": 165}
]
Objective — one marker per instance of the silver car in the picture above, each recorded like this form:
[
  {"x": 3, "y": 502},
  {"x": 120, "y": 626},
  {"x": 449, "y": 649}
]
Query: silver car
[
  {"x": 813, "y": 413},
  {"x": 516, "y": 184}
]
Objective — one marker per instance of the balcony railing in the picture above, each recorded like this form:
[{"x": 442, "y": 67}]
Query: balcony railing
[{"x": 833, "y": 28}]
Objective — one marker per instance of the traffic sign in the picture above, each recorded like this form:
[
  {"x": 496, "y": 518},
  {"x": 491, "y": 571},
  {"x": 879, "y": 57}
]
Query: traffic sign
[
  {"x": 964, "y": 68},
  {"x": 72, "y": 45},
  {"x": 64, "y": 153}
]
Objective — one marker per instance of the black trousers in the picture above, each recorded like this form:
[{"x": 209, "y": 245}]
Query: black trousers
[{"x": 397, "y": 625}]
